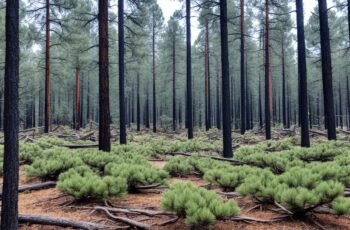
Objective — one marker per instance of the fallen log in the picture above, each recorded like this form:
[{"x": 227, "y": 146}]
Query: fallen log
[
  {"x": 343, "y": 131},
  {"x": 86, "y": 136},
  {"x": 61, "y": 222},
  {"x": 86, "y": 146},
  {"x": 32, "y": 187},
  {"x": 212, "y": 157},
  {"x": 318, "y": 132}
]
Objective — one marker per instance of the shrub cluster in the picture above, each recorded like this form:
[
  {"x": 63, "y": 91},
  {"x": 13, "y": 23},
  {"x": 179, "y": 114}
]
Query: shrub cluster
[
  {"x": 199, "y": 206},
  {"x": 137, "y": 174},
  {"x": 82, "y": 183},
  {"x": 53, "y": 162}
]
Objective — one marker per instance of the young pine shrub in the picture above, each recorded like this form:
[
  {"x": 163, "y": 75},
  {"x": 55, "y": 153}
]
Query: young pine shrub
[
  {"x": 54, "y": 162},
  {"x": 203, "y": 164},
  {"x": 82, "y": 183},
  {"x": 136, "y": 175},
  {"x": 285, "y": 144},
  {"x": 341, "y": 206},
  {"x": 332, "y": 171},
  {"x": 98, "y": 159},
  {"x": 244, "y": 152},
  {"x": 228, "y": 177},
  {"x": 321, "y": 152},
  {"x": 275, "y": 162},
  {"x": 259, "y": 185},
  {"x": 29, "y": 152},
  {"x": 178, "y": 166},
  {"x": 300, "y": 200},
  {"x": 199, "y": 206}
]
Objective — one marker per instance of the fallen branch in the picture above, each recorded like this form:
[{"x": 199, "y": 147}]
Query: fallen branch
[
  {"x": 318, "y": 132},
  {"x": 86, "y": 136},
  {"x": 283, "y": 208},
  {"x": 61, "y": 222},
  {"x": 247, "y": 218},
  {"x": 228, "y": 194},
  {"x": 151, "y": 186},
  {"x": 123, "y": 219},
  {"x": 212, "y": 157},
  {"x": 171, "y": 221},
  {"x": 32, "y": 187},
  {"x": 137, "y": 211},
  {"x": 345, "y": 132},
  {"x": 86, "y": 146}
]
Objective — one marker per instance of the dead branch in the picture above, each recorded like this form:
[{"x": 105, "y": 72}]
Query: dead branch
[
  {"x": 247, "y": 218},
  {"x": 86, "y": 146},
  {"x": 237, "y": 162},
  {"x": 32, "y": 187},
  {"x": 136, "y": 211},
  {"x": 123, "y": 219},
  {"x": 61, "y": 222},
  {"x": 318, "y": 132}
]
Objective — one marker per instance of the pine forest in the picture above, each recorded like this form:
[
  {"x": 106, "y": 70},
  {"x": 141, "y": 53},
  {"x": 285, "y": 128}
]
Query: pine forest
[{"x": 174, "y": 114}]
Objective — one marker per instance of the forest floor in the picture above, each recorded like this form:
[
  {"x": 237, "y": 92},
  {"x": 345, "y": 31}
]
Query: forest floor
[{"x": 51, "y": 202}]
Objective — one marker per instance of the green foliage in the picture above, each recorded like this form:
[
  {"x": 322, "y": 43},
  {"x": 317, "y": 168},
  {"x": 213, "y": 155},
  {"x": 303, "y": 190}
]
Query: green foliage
[
  {"x": 82, "y": 183},
  {"x": 51, "y": 141},
  {"x": 321, "y": 152},
  {"x": 332, "y": 171},
  {"x": 137, "y": 174},
  {"x": 228, "y": 177},
  {"x": 341, "y": 206},
  {"x": 29, "y": 152},
  {"x": 299, "y": 189},
  {"x": 54, "y": 161},
  {"x": 199, "y": 206},
  {"x": 178, "y": 166},
  {"x": 273, "y": 161},
  {"x": 285, "y": 144},
  {"x": 259, "y": 185}
]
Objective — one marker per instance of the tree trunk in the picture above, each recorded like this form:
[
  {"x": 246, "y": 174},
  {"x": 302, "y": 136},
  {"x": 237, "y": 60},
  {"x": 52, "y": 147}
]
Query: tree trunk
[
  {"x": 340, "y": 108},
  {"x": 47, "y": 72},
  {"x": 104, "y": 117},
  {"x": 174, "y": 83},
  {"x": 81, "y": 102},
  {"x": 9, "y": 210},
  {"x": 284, "y": 107},
  {"x": 154, "y": 75},
  {"x": 348, "y": 97},
  {"x": 227, "y": 130},
  {"x": 122, "y": 115},
  {"x": 147, "y": 110},
  {"x": 88, "y": 116},
  {"x": 268, "y": 77},
  {"x": 77, "y": 98},
  {"x": 327, "y": 69},
  {"x": 207, "y": 80},
  {"x": 260, "y": 104},
  {"x": 218, "y": 107},
  {"x": 304, "y": 122},
  {"x": 138, "y": 112},
  {"x": 189, "y": 108},
  {"x": 243, "y": 80}
]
